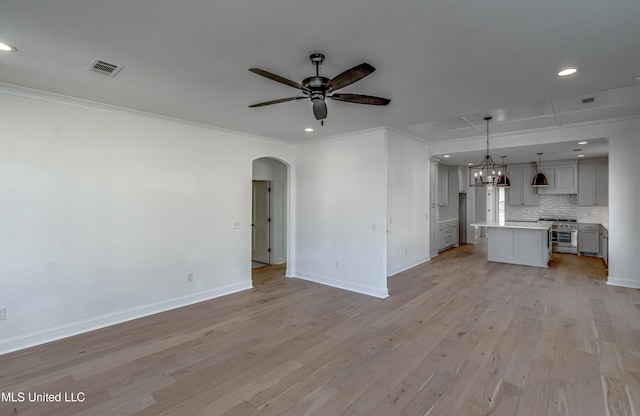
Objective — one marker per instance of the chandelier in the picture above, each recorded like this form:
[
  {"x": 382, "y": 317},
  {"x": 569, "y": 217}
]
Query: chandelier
[{"x": 487, "y": 173}]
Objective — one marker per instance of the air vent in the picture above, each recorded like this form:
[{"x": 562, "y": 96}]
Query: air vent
[
  {"x": 105, "y": 68},
  {"x": 588, "y": 100}
]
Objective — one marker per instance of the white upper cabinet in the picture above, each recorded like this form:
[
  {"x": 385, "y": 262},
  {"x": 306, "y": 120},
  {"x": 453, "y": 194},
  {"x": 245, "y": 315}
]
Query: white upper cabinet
[
  {"x": 443, "y": 185},
  {"x": 562, "y": 177},
  {"x": 521, "y": 192},
  {"x": 593, "y": 184}
]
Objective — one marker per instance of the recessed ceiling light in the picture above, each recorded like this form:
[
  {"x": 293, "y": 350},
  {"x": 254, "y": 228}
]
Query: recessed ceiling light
[
  {"x": 580, "y": 155},
  {"x": 308, "y": 129},
  {"x": 469, "y": 164},
  {"x": 567, "y": 71},
  {"x": 583, "y": 142},
  {"x": 446, "y": 156},
  {"x": 5, "y": 47}
]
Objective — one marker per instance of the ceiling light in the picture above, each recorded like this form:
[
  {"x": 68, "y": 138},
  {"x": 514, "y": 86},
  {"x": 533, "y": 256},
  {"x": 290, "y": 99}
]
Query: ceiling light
[
  {"x": 539, "y": 180},
  {"x": 580, "y": 155},
  {"x": 469, "y": 164},
  {"x": 567, "y": 71},
  {"x": 308, "y": 129},
  {"x": 5, "y": 47},
  {"x": 446, "y": 156},
  {"x": 583, "y": 142},
  {"x": 487, "y": 173}
]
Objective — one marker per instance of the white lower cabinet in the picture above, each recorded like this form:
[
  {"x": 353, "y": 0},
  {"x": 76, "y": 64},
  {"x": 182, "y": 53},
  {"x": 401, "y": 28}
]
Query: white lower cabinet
[
  {"x": 589, "y": 239},
  {"x": 447, "y": 234}
]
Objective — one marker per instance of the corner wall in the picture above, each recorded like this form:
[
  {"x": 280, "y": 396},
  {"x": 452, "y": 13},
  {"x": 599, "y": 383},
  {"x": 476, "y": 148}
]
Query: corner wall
[
  {"x": 107, "y": 213},
  {"x": 341, "y": 209},
  {"x": 408, "y": 203},
  {"x": 624, "y": 205}
]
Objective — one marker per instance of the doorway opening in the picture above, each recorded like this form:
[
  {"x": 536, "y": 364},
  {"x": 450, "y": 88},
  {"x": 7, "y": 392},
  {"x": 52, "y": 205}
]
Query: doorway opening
[
  {"x": 261, "y": 224},
  {"x": 269, "y": 217}
]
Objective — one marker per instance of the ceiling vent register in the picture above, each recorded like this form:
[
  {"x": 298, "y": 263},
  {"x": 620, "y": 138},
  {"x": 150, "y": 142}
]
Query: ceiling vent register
[{"x": 105, "y": 68}]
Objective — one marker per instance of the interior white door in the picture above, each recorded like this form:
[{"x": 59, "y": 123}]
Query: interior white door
[{"x": 260, "y": 222}]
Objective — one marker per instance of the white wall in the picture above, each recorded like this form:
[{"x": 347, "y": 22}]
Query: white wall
[
  {"x": 624, "y": 204},
  {"x": 408, "y": 203},
  {"x": 341, "y": 211},
  {"x": 105, "y": 212},
  {"x": 269, "y": 169}
]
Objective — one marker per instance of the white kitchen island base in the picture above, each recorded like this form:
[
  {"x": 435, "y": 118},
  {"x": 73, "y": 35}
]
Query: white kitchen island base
[{"x": 527, "y": 244}]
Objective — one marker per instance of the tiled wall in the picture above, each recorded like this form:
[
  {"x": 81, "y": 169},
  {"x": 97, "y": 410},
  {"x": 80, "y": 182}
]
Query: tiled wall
[{"x": 559, "y": 206}]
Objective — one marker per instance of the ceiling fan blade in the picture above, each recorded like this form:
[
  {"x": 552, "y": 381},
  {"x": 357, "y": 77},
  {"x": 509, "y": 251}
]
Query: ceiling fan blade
[
  {"x": 360, "y": 99},
  {"x": 320, "y": 110},
  {"x": 279, "y": 79},
  {"x": 350, "y": 76},
  {"x": 282, "y": 100}
]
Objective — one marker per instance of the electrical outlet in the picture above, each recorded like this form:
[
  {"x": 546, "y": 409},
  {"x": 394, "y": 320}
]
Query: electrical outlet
[
  {"x": 190, "y": 277},
  {"x": 3, "y": 314}
]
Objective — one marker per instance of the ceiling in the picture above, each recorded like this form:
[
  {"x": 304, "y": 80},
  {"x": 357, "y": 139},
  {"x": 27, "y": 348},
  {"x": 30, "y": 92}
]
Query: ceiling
[{"x": 435, "y": 60}]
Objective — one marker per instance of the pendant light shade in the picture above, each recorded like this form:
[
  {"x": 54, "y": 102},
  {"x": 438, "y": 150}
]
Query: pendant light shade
[
  {"x": 487, "y": 173},
  {"x": 539, "y": 180},
  {"x": 503, "y": 180}
]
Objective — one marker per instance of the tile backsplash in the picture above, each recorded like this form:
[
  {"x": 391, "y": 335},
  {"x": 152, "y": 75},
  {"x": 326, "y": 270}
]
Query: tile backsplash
[{"x": 559, "y": 206}]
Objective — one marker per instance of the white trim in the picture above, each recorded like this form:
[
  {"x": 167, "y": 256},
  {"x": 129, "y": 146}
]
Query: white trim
[
  {"x": 615, "y": 281},
  {"x": 365, "y": 290},
  {"x": 102, "y": 321},
  {"x": 408, "y": 266}
]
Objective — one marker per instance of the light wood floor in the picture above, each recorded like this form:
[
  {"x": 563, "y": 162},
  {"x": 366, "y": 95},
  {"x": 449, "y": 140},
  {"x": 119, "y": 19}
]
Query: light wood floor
[{"x": 457, "y": 336}]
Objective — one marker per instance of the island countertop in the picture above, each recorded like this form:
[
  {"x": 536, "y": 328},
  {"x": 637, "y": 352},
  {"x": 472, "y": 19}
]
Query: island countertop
[{"x": 542, "y": 225}]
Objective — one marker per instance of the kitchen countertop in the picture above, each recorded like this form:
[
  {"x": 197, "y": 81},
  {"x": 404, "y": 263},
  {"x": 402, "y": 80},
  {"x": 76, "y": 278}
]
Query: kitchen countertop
[{"x": 542, "y": 225}]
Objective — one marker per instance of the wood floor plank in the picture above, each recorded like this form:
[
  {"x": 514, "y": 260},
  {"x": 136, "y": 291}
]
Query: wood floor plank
[{"x": 457, "y": 336}]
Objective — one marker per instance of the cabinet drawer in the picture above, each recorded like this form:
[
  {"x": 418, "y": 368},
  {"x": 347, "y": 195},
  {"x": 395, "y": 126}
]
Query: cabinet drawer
[{"x": 589, "y": 227}]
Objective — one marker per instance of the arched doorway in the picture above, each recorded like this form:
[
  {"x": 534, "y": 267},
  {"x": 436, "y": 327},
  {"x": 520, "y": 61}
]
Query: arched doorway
[{"x": 269, "y": 213}]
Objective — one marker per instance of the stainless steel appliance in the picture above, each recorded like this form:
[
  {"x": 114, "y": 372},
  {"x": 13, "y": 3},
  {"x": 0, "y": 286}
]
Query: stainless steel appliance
[{"x": 564, "y": 235}]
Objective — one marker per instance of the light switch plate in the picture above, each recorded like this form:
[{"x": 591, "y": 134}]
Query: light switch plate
[{"x": 3, "y": 314}]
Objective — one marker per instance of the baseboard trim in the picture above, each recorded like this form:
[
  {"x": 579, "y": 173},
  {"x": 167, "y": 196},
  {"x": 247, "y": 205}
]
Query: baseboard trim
[
  {"x": 616, "y": 281},
  {"x": 408, "y": 266},
  {"x": 365, "y": 290},
  {"x": 79, "y": 327}
]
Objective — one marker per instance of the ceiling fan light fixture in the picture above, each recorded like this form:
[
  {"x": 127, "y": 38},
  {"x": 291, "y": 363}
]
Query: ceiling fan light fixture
[{"x": 318, "y": 88}]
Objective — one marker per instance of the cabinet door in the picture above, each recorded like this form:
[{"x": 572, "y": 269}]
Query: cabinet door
[
  {"x": 587, "y": 185},
  {"x": 529, "y": 193},
  {"x": 443, "y": 186},
  {"x": 589, "y": 242},
  {"x": 602, "y": 185},
  {"x": 566, "y": 180},
  {"x": 515, "y": 192}
]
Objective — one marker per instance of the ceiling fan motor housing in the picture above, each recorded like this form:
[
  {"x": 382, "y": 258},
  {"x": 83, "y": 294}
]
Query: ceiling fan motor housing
[{"x": 318, "y": 86}]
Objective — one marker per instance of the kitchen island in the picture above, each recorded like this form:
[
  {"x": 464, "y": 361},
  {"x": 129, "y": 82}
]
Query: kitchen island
[{"x": 526, "y": 243}]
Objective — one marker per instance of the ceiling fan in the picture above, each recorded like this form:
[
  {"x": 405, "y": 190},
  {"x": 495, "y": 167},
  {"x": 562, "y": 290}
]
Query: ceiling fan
[{"x": 318, "y": 88}]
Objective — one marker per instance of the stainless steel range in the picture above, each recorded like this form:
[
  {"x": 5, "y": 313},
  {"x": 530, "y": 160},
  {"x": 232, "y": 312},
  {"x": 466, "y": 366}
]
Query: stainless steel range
[{"x": 564, "y": 235}]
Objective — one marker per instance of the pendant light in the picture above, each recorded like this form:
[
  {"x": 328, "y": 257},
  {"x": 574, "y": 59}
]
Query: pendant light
[
  {"x": 487, "y": 172},
  {"x": 503, "y": 180},
  {"x": 539, "y": 180}
]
